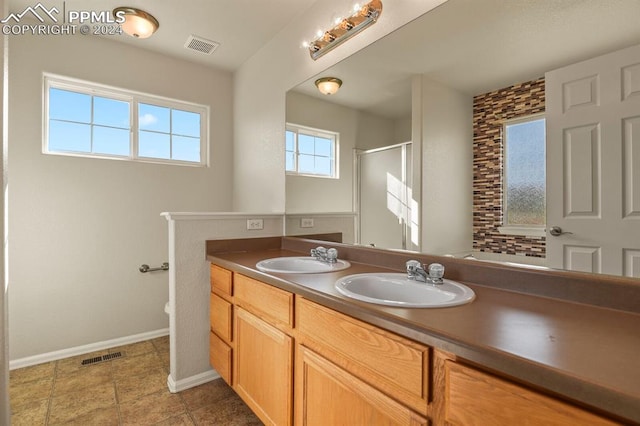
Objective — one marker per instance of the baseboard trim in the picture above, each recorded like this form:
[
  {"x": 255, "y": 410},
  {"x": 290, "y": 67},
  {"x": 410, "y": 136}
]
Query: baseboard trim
[
  {"x": 84, "y": 349},
  {"x": 191, "y": 382}
]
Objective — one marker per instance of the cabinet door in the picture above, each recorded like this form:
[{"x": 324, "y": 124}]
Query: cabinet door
[
  {"x": 476, "y": 398},
  {"x": 220, "y": 357},
  {"x": 220, "y": 313},
  {"x": 263, "y": 368},
  {"x": 328, "y": 395},
  {"x": 393, "y": 364},
  {"x": 221, "y": 281}
]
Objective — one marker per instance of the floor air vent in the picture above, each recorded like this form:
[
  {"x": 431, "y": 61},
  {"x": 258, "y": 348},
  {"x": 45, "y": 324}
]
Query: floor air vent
[
  {"x": 97, "y": 359},
  {"x": 201, "y": 45}
]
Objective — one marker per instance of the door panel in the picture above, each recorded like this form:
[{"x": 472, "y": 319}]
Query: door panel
[
  {"x": 593, "y": 164},
  {"x": 582, "y": 171},
  {"x": 631, "y": 157}
]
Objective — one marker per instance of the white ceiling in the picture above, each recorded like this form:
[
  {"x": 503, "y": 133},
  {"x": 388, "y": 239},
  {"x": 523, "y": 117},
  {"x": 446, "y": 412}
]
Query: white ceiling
[
  {"x": 478, "y": 46},
  {"x": 472, "y": 45},
  {"x": 241, "y": 27}
]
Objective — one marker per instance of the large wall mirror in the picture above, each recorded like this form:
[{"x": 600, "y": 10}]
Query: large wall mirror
[{"x": 416, "y": 121}]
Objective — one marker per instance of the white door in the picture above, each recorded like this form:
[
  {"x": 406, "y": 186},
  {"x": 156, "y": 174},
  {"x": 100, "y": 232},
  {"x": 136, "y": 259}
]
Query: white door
[
  {"x": 593, "y": 165},
  {"x": 383, "y": 194}
]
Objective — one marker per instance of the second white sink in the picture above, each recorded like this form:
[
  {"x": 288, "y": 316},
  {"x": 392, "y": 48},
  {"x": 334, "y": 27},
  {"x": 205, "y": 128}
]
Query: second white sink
[
  {"x": 300, "y": 265},
  {"x": 395, "y": 289}
]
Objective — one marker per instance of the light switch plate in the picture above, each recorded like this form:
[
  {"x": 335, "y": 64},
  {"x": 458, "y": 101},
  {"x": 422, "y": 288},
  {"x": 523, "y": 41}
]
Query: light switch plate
[
  {"x": 255, "y": 224},
  {"x": 306, "y": 223}
]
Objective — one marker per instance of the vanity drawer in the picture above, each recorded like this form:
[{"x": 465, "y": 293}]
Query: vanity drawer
[
  {"x": 393, "y": 364},
  {"x": 474, "y": 398},
  {"x": 221, "y": 281},
  {"x": 220, "y": 357},
  {"x": 220, "y": 317},
  {"x": 264, "y": 300}
]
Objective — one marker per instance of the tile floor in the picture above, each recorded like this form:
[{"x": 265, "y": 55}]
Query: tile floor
[{"x": 131, "y": 390}]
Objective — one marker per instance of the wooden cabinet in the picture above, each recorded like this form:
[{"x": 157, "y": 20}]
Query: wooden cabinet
[
  {"x": 221, "y": 281},
  {"x": 349, "y": 372},
  {"x": 264, "y": 368},
  {"x": 395, "y": 365},
  {"x": 250, "y": 343},
  {"x": 467, "y": 396},
  {"x": 221, "y": 323},
  {"x": 220, "y": 357},
  {"x": 328, "y": 395}
]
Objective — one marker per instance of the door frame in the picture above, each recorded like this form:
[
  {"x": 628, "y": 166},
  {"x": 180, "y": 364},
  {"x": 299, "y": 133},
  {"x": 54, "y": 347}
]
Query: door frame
[{"x": 408, "y": 177}]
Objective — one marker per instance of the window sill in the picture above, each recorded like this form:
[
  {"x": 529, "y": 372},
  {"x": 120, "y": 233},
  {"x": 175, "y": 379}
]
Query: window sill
[{"x": 527, "y": 231}]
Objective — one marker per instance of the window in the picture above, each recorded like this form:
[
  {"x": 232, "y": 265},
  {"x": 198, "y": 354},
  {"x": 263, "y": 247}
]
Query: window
[
  {"x": 524, "y": 204},
  {"x": 90, "y": 120},
  {"x": 311, "y": 152}
]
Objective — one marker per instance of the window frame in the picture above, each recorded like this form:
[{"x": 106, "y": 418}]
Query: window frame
[
  {"x": 133, "y": 98},
  {"x": 326, "y": 134},
  {"x": 517, "y": 230}
]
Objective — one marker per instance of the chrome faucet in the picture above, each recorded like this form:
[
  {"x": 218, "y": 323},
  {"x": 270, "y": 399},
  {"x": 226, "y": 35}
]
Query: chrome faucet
[
  {"x": 432, "y": 275},
  {"x": 325, "y": 255}
]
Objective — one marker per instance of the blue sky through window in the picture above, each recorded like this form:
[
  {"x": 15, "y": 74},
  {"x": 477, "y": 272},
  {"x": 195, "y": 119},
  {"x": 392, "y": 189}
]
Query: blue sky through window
[
  {"x": 83, "y": 122},
  {"x": 168, "y": 133},
  {"x": 307, "y": 152}
]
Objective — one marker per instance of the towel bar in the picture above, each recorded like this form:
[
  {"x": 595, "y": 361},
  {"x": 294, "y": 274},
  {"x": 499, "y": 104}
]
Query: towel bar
[{"x": 145, "y": 268}]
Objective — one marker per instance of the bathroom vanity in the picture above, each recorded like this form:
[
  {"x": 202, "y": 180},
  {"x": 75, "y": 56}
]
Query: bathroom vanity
[{"x": 525, "y": 351}]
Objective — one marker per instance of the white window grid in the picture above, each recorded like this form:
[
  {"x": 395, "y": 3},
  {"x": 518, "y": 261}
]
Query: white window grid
[
  {"x": 133, "y": 98},
  {"x": 326, "y": 134}
]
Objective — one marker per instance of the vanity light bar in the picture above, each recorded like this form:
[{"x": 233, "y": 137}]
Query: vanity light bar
[{"x": 346, "y": 28}]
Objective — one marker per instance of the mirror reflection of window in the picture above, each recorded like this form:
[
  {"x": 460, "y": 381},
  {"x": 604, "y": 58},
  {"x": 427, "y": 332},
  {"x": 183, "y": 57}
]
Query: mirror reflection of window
[
  {"x": 310, "y": 152},
  {"x": 524, "y": 202}
]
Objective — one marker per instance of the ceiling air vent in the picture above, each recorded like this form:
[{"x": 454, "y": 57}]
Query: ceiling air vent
[{"x": 201, "y": 45}]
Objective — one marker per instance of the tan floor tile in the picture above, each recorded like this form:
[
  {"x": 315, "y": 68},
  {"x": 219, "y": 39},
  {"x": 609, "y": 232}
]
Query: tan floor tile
[
  {"x": 207, "y": 394},
  {"x": 75, "y": 363},
  {"x": 30, "y": 392},
  {"x": 68, "y": 406},
  {"x": 230, "y": 412},
  {"x": 166, "y": 361},
  {"x": 29, "y": 374},
  {"x": 129, "y": 390},
  {"x": 99, "y": 417},
  {"x": 183, "y": 420},
  {"x": 133, "y": 387},
  {"x": 136, "y": 365},
  {"x": 33, "y": 414},
  {"x": 135, "y": 349},
  {"x": 161, "y": 343},
  {"x": 151, "y": 409},
  {"x": 84, "y": 378}
]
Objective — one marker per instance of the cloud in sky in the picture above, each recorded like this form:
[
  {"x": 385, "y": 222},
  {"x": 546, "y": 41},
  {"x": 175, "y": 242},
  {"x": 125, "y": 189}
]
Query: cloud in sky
[{"x": 147, "y": 120}]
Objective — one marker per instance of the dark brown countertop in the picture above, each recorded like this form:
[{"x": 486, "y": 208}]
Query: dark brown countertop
[{"x": 586, "y": 353}]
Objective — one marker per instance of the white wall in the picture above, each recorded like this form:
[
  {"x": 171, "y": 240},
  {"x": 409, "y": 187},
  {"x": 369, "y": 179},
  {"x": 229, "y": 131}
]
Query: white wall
[
  {"x": 5, "y": 409},
  {"x": 79, "y": 228},
  {"x": 357, "y": 129},
  {"x": 190, "y": 288},
  {"x": 447, "y": 169},
  {"x": 323, "y": 223},
  {"x": 259, "y": 95},
  {"x": 402, "y": 130}
]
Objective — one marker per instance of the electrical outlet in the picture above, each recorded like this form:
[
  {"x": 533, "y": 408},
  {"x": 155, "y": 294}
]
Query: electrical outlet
[
  {"x": 254, "y": 224},
  {"x": 306, "y": 223}
]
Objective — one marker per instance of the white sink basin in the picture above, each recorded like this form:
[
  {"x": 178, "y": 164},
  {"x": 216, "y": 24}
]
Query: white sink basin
[
  {"x": 395, "y": 289},
  {"x": 300, "y": 265}
]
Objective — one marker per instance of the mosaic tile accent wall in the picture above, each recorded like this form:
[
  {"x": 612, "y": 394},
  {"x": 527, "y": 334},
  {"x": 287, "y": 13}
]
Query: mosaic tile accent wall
[{"x": 490, "y": 110}]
